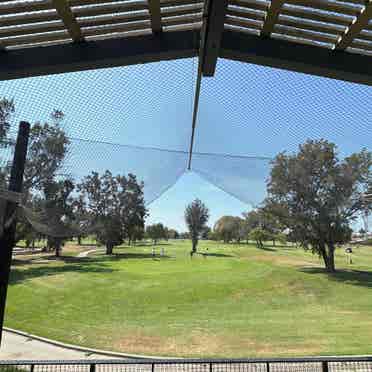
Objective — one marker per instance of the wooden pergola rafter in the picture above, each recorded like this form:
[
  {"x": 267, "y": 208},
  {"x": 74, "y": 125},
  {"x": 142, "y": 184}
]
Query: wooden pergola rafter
[{"x": 353, "y": 31}]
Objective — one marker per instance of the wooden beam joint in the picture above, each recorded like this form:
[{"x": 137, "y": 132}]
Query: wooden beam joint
[
  {"x": 355, "y": 28},
  {"x": 68, "y": 19},
  {"x": 271, "y": 17},
  {"x": 155, "y": 16}
]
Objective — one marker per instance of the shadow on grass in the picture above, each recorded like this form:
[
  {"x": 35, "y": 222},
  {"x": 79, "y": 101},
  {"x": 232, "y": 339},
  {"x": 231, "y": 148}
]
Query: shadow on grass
[
  {"x": 354, "y": 277},
  {"x": 130, "y": 255},
  {"x": 215, "y": 254},
  {"x": 142, "y": 245},
  {"x": 266, "y": 248},
  {"x": 18, "y": 275}
]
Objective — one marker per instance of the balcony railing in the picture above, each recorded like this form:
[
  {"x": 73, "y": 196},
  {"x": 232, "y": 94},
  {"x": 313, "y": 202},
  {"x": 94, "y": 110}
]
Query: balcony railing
[{"x": 321, "y": 364}]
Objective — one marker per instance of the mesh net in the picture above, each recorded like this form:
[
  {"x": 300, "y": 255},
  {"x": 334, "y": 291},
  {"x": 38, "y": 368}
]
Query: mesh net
[
  {"x": 137, "y": 119},
  {"x": 125, "y": 120}
]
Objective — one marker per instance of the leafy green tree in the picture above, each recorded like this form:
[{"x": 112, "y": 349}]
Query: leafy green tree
[
  {"x": 132, "y": 209},
  {"x": 6, "y": 110},
  {"x": 229, "y": 228},
  {"x": 81, "y": 216},
  {"x": 57, "y": 206},
  {"x": 138, "y": 234},
  {"x": 156, "y": 232},
  {"x": 196, "y": 218},
  {"x": 259, "y": 235},
  {"x": 206, "y": 232},
  {"x": 185, "y": 235},
  {"x": 317, "y": 195},
  {"x": 48, "y": 145},
  {"x": 173, "y": 234},
  {"x": 116, "y": 206}
]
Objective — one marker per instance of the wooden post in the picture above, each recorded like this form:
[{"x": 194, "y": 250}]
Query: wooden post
[{"x": 7, "y": 239}]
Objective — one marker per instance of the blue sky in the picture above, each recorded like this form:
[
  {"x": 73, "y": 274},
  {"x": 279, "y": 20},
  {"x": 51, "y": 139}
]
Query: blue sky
[{"x": 247, "y": 111}]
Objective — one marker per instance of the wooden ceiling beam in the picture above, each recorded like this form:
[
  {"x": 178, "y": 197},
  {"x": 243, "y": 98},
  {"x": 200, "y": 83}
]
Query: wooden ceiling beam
[
  {"x": 90, "y": 55},
  {"x": 291, "y": 56}
]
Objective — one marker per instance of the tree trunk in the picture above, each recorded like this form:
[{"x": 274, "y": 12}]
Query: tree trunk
[
  {"x": 274, "y": 242},
  {"x": 109, "y": 249},
  {"x": 329, "y": 257},
  {"x": 194, "y": 245},
  {"x": 58, "y": 249},
  {"x": 79, "y": 240}
]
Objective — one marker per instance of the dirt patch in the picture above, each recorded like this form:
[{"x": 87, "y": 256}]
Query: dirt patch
[
  {"x": 203, "y": 344},
  {"x": 285, "y": 261}
]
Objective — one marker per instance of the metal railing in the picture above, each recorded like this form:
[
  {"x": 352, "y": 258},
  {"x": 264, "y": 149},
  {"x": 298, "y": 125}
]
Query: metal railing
[{"x": 319, "y": 364}]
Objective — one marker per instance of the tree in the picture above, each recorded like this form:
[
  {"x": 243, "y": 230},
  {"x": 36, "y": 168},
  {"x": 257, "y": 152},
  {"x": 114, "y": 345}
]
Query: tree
[
  {"x": 259, "y": 235},
  {"x": 317, "y": 195},
  {"x": 228, "y": 228},
  {"x": 196, "y": 218},
  {"x": 166, "y": 233},
  {"x": 132, "y": 210},
  {"x": 6, "y": 110},
  {"x": 185, "y": 235},
  {"x": 57, "y": 206},
  {"x": 116, "y": 206},
  {"x": 206, "y": 232},
  {"x": 156, "y": 232},
  {"x": 138, "y": 233},
  {"x": 173, "y": 234},
  {"x": 81, "y": 216},
  {"x": 48, "y": 145}
]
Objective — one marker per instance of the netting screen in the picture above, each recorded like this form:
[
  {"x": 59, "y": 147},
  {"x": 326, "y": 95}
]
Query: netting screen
[
  {"x": 126, "y": 120},
  {"x": 138, "y": 119}
]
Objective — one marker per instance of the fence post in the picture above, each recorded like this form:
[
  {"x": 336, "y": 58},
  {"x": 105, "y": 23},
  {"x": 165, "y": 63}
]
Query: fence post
[
  {"x": 152, "y": 367},
  {"x": 324, "y": 366},
  {"x": 92, "y": 368},
  {"x": 32, "y": 366},
  {"x": 210, "y": 367},
  {"x": 7, "y": 238},
  {"x": 267, "y": 367}
]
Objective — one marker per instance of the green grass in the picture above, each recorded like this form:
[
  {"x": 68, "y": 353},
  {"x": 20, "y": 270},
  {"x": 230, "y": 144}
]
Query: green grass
[{"x": 238, "y": 302}]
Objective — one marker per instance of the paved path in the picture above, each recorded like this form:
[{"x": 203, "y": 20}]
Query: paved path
[
  {"x": 21, "y": 347},
  {"x": 86, "y": 253}
]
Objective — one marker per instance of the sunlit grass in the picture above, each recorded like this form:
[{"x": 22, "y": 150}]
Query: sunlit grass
[{"x": 234, "y": 301}]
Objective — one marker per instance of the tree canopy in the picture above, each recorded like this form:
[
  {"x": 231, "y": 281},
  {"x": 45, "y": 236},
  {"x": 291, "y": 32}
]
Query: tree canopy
[
  {"x": 317, "y": 195},
  {"x": 116, "y": 205},
  {"x": 156, "y": 232},
  {"x": 196, "y": 218}
]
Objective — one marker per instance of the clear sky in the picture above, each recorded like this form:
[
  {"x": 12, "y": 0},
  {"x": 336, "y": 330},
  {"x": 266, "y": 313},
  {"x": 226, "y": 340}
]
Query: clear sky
[{"x": 247, "y": 111}]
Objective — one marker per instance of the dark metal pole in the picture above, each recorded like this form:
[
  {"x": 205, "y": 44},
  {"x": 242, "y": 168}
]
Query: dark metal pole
[
  {"x": 7, "y": 239},
  {"x": 324, "y": 366},
  {"x": 198, "y": 81}
]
